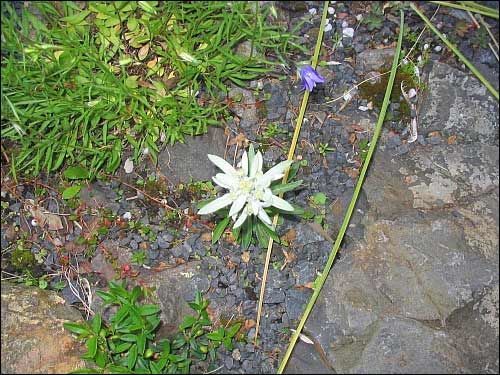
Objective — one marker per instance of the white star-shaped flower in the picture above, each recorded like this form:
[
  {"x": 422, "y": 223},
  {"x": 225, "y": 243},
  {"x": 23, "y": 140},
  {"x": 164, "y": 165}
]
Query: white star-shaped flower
[{"x": 249, "y": 189}]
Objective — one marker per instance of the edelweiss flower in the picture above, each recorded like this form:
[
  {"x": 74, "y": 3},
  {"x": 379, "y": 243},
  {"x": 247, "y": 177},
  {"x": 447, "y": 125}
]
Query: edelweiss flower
[
  {"x": 310, "y": 77},
  {"x": 249, "y": 189}
]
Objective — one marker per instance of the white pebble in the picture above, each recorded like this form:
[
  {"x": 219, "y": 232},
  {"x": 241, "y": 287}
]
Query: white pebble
[
  {"x": 145, "y": 151},
  {"x": 438, "y": 48},
  {"x": 327, "y": 21},
  {"x": 348, "y": 32},
  {"x": 359, "y": 17},
  {"x": 412, "y": 93},
  {"x": 331, "y": 10},
  {"x": 328, "y": 27},
  {"x": 347, "y": 96},
  {"x": 344, "y": 24},
  {"x": 34, "y": 223},
  {"x": 313, "y": 11},
  {"x": 129, "y": 166},
  {"x": 127, "y": 215},
  {"x": 426, "y": 47}
]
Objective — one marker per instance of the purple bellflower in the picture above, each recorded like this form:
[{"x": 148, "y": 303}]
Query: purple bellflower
[{"x": 309, "y": 77}]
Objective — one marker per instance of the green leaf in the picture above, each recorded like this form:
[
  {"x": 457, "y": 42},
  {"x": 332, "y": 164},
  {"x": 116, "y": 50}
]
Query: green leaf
[
  {"x": 92, "y": 346},
  {"x": 231, "y": 332},
  {"x": 96, "y": 323},
  {"x": 100, "y": 358},
  {"x": 79, "y": 329},
  {"x": 76, "y": 173},
  {"x": 217, "y": 335},
  {"x": 148, "y": 310},
  {"x": 141, "y": 343},
  {"x": 187, "y": 322},
  {"x": 75, "y": 19},
  {"x": 132, "y": 357},
  {"x": 131, "y": 82},
  {"x": 283, "y": 188},
  {"x": 219, "y": 229},
  {"x": 319, "y": 198},
  {"x": 247, "y": 233},
  {"x": 124, "y": 346},
  {"x": 128, "y": 337},
  {"x": 71, "y": 191}
]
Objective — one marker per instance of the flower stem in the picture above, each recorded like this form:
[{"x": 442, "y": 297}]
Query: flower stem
[
  {"x": 291, "y": 152},
  {"x": 456, "y": 51},
  {"x": 378, "y": 128}
]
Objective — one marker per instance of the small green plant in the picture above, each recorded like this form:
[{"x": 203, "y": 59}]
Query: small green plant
[
  {"x": 128, "y": 344},
  {"x": 363, "y": 145},
  {"x": 375, "y": 18},
  {"x": 139, "y": 257},
  {"x": 272, "y": 130},
  {"x": 318, "y": 203},
  {"x": 324, "y": 148}
]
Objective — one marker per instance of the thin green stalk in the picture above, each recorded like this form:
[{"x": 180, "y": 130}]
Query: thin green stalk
[
  {"x": 291, "y": 152},
  {"x": 456, "y": 51},
  {"x": 476, "y": 9},
  {"x": 321, "y": 279}
]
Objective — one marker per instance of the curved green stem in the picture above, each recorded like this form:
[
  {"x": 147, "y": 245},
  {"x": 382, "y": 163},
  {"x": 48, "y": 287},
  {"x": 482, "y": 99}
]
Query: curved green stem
[
  {"x": 291, "y": 152},
  {"x": 456, "y": 52},
  {"x": 321, "y": 280}
]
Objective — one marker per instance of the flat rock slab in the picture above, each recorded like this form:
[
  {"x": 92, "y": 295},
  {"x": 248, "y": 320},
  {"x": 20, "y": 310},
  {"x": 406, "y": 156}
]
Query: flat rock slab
[
  {"x": 186, "y": 162},
  {"x": 34, "y": 340},
  {"x": 458, "y": 104}
]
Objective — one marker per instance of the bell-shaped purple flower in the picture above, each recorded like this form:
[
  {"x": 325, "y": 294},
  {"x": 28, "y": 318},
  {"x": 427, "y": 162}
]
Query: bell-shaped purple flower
[{"x": 309, "y": 77}]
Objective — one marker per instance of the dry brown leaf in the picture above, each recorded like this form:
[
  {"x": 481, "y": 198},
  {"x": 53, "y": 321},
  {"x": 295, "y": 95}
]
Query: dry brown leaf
[
  {"x": 143, "y": 52},
  {"x": 289, "y": 256},
  {"x": 309, "y": 285},
  {"x": 245, "y": 256},
  {"x": 289, "y": 236},
  {"x": 206, "y": 236},
  {"x": 352, "y": 138},
  {"x": 241, "y": 140},
  {"x": 249, "y": 323},
  {"x": 452, "y": 139},
  {"x": 352, "y": 172},
  {"x": 52, "y": 221},
  {"x": 151, "y": 63}
]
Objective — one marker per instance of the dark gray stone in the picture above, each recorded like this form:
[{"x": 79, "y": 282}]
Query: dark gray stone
[{"x": 188, "y": 161}]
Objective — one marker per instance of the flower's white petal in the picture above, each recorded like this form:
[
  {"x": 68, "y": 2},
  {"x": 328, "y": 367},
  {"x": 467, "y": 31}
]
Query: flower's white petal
[
  {"x": 264, "y": 217},
  {"x": 222, "y": 164},
  {"x": 277, "y": 171},
  {"x": 241, "y": 219},
  {"x": 281, "y": 204},
  {"x": 238, "y": 205},
  {"x": 226, "y": 181},
  {"x": 256, "y": 165},
  {"x": 217, "y": 204},
  {"x": 244, "y": 163},
  {"x": 255, "y": 206}
]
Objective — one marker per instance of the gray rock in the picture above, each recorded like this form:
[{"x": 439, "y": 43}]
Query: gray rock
[
  {"x": 274, "y": 296},
  {"x": 245, "y": 107},
  {"x": 188, "y": 161},
  {"x": 374, "y": 59},
  {"x": 33, "y": 337},
  {"x": 458, "y": 104},
  {"x": 295, "y": 302},
  {"x": 96, "y": 195}
]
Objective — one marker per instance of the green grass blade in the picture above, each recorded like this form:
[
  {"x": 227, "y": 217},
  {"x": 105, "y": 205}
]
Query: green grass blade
[
  {"x": 378, "y": 128},
  {"x": 456, "y": 52},
  {"x": 489, "y": 12}
]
